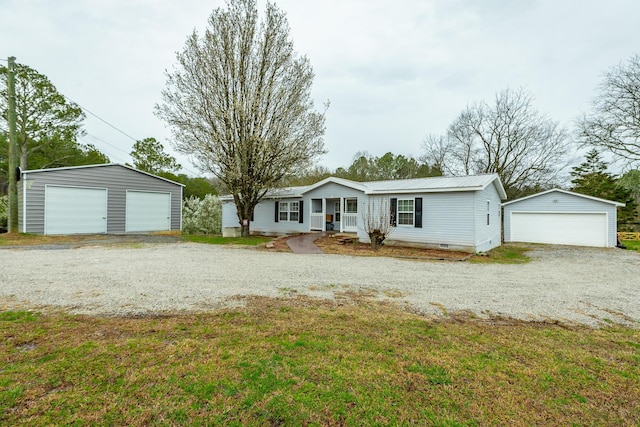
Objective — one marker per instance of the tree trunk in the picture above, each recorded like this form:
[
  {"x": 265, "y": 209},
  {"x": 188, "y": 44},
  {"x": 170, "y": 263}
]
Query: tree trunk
[
  {"x": 376, "y": 237},
  {"x": 245, "y": 228}
]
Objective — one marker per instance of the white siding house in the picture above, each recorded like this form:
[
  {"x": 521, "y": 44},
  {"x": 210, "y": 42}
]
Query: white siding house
[
  {"x": 461, "y": 213},
  {"x": 561, "y": 217}
]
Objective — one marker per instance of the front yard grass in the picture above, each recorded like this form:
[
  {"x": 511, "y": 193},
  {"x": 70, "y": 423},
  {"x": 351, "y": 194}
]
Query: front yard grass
[
  {"x": 632, "y": 245},
  {"x": 309, "y": 362},
  {"x": 508, "y": 253}
]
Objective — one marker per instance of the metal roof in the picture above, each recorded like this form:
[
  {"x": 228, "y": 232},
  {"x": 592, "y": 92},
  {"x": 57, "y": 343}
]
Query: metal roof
[
  {"x": 437, "y": 184},
  {"x": 99, "y": 166},
  {"x": 559, "y": 190}
]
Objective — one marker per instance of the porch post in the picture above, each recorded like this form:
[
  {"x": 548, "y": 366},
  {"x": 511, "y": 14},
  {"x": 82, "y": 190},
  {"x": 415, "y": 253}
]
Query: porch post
[
  {"x": 341, "y": 214},
  {"x": 324, "y": 214}
]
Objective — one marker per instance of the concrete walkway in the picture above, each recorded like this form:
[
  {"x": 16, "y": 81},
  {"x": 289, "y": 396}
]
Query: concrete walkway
[{"x": 303, "y": 244}]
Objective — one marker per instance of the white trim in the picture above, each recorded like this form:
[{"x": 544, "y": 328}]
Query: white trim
[
  {"x": 24, "y": 202},
  {"x": 571, "y": 193},
  {"x": 413, "y": 211},
  {"x": 181, "y": 190}
]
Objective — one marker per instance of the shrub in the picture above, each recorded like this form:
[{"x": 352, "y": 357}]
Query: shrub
[
  {"x": 202, "y": 216},
  {"x": 4, "y": 211}
]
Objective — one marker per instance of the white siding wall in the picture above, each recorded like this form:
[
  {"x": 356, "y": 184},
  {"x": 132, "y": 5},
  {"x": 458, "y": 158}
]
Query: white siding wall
[
  {"x": 264, "y": 218},
  {"x": 561, "y": 202},
  {"x": 447, "y": 219},
  {"x": 487, "y": 236}
]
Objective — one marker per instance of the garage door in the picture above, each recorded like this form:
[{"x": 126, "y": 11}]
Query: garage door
[
  {"x": 583, "y": 229},
  {"x": 148, "y": 211},
  {"x": 75, "y": 210}
]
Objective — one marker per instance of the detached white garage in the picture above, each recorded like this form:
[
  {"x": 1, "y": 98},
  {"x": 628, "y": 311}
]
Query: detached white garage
[
  {"x": 561, "y": 217},
  {"x": 107, "y": 198}
]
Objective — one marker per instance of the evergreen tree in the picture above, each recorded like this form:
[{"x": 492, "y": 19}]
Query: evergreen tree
[{"x": 593, "y": 179}]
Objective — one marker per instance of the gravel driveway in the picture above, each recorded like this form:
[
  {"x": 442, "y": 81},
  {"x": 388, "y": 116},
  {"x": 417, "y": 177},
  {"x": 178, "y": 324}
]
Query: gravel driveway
[{"x": 588, "y": 286}]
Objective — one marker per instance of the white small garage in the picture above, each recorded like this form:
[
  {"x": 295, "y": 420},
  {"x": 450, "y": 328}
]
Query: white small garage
[
  {"x": 561, "y": 217},
  {"x": 107, "y": 198}
]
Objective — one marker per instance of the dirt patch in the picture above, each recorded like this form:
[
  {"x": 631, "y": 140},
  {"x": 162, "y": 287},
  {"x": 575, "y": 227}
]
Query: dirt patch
[
  {"x": 28, "y": 241},
  {"x": 330, "y": 244}
]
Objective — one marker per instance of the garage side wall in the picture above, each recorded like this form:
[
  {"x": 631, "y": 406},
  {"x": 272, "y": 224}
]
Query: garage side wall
[
  {"x": 116, "y": 179},
  {"x": 559, "y": 202}
]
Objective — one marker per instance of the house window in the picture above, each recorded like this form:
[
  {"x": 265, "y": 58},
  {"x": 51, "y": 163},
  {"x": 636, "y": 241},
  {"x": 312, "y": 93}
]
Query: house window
[
  {"x": 351, "y": 206},
  {"x": 405, "y": 211},
  {"x": 289, "y": 211},
  {"x": 488, "y": 212},
  {"x": 337, "y": 211}
]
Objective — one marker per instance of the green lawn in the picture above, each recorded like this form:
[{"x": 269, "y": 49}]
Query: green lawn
[
  {"x": 633, "y": 245},
  {"x": 509, "y": 253},
  {"x": 308, "y": 362},
  {"x": 219, "y": 240}
]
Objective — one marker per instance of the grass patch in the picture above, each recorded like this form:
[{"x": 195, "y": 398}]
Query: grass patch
[
  {"x": 302, "y": 361},
  {"x": 505, "y": 254},
  {"x": 632, "y": 245},
  {"x": 219, "y": 240}
]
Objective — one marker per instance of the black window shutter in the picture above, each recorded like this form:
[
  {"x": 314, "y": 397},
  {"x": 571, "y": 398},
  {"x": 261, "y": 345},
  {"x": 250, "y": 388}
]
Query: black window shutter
[
  {"x": 393, "y": 210},
  {"x": 301, "y": 211},
  {"x": 252, "y": 214},
  {"x": 277, "y": 211},
  {"x": 418, "y": 207}
]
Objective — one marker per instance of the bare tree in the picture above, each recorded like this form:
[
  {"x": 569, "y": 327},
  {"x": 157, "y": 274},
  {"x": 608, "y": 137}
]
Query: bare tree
[
  {"x": 376, "y": 221},
  {"x": 524, "y": 147},
  {"x": 239, "y": 103},
  {"x": 614, "y": 123}
]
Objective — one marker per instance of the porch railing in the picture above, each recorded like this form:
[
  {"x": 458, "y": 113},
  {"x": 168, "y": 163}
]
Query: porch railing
[
  {"x": 349, "y": 222},
  {"x": 317, "y": 221}
]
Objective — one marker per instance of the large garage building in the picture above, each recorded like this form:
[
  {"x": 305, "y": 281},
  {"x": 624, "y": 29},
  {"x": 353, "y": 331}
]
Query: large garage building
[
  {"x": 563, "y": 218},
  {"x": 108, "y": 198}
]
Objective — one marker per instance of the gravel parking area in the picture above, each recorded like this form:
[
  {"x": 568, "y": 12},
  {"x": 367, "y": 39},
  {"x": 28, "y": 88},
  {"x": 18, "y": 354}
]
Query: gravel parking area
[{"x": 574, "y": 285}]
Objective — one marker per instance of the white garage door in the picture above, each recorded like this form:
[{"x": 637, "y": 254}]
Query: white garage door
[
  {"x": 75, "y": 210},
  {"x": 582, "y": 229},
  {"x": 148, "y": 211}
]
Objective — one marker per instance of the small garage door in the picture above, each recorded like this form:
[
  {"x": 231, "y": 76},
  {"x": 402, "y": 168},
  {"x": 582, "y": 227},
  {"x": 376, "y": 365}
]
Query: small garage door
[
  {"x": 582, "y": 229},
  {"x": 75, "y": 210},
  {"x": 148, "y": 211}
]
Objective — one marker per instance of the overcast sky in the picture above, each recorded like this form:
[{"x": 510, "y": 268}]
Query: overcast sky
[{"x": 393, "y": 71}]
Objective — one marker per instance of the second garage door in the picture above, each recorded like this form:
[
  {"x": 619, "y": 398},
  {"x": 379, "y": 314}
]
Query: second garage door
[
  {"x": 582, "y": 229},
  {"x": 148, "y": 211}
]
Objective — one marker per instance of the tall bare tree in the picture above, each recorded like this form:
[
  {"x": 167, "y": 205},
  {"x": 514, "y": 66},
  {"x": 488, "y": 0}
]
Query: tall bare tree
[
  {"x": 614, "y": 122},
  {"x": 524, "y": 147},
  {"x": 239, "y": 103}
]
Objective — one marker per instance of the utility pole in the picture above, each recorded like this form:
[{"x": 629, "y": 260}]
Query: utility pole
[{"x": 13, "y": 169}]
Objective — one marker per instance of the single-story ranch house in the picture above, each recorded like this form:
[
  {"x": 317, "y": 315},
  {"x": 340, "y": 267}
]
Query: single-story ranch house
[
  {"x": 460, "y": 213},
  {"x": 106, "y": 198}
]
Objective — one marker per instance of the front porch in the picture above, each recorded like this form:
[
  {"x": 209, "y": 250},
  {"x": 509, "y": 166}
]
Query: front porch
[{"x": 339, "y": 214}]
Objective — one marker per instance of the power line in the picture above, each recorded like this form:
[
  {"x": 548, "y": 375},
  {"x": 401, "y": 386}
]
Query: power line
[
  {"x": 101, "y": 119},
  {"x": 116, "y": 128}
]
